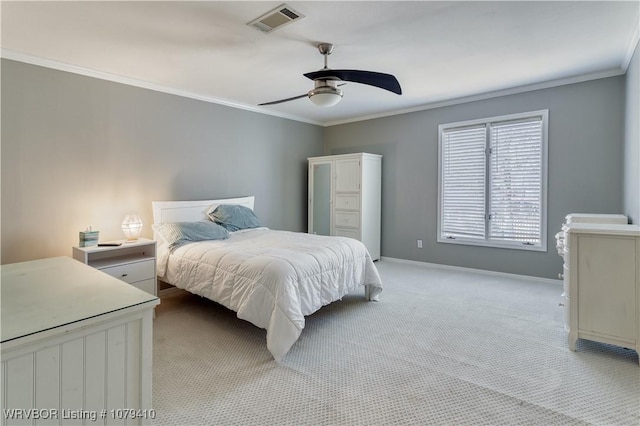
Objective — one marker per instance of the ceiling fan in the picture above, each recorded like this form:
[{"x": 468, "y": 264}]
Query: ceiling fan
[{"x": 326, "y": 92}]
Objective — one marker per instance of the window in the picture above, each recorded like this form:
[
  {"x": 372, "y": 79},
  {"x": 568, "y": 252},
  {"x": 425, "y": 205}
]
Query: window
[{"x": 493, "y": 181}]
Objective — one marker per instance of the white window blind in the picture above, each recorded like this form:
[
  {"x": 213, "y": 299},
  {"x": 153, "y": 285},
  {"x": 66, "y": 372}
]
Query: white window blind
[
  {"x": 516, "y": 181},
  {"x": 463, "y": 182},
  {"x": 493, "y": 181}
]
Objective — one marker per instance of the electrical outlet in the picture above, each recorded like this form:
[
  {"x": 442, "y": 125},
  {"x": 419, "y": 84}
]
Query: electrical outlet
[{"x": 419, "y": 243}]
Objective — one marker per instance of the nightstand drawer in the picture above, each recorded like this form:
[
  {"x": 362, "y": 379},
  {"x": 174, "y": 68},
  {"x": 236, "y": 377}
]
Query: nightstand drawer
[
  {"x": 132, "y": 272},
  {"x": 147, "y": 285},
  {"x": 347, "y": 219}
]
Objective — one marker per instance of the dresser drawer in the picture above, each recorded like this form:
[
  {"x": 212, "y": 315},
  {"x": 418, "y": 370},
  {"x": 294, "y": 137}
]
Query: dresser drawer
[
  {"x": 566, "y": 279},
  {"x": 348, "y": 202},
  {"x": 132, "y": 272},
  {"x": 347, "y": 219}
]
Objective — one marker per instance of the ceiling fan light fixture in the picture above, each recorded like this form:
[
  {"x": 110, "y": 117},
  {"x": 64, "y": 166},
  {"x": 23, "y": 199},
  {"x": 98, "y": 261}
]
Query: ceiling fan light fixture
[
  {"x": 325, "y": 96},
  {"x": 326, "y": 92}
]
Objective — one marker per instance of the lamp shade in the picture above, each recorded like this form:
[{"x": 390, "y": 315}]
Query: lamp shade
[{"x": 131, "y": 226}]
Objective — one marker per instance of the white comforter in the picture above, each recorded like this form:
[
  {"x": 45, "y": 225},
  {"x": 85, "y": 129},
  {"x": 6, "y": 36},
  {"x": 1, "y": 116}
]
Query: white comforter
[{"x": 273, "y": 278}]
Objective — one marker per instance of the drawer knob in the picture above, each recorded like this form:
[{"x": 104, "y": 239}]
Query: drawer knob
[
  {"x": 561, "y": 304},
  {"x": 561, "y": 275}
]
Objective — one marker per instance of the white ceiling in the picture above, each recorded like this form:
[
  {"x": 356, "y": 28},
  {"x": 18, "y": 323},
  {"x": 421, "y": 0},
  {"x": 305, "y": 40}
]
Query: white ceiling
[{"x": 439, "y": 51}]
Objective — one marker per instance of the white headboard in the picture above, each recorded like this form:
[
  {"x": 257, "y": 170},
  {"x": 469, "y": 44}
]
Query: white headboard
[{"x": 191, "y": 211}]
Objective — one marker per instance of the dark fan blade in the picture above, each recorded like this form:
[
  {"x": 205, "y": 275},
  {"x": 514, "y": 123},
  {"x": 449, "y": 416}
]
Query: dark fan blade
[
  {"x": 284, "y": 100},
  {"x": 377, "y": 79}
]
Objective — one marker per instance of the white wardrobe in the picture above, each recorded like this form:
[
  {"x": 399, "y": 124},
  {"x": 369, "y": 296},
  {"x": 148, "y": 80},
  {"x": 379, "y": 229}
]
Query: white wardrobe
[{"x": 345, "y": 197}]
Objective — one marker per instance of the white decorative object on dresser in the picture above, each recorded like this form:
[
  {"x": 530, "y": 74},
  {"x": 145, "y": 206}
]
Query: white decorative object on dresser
[
  {"x": 575, "y": 218},
  {"x": 131, "y": 262},
  {"x": 76, "y": 346},
  {"x": 602, "y": 282},
  {"x": 345, "y": 198}
]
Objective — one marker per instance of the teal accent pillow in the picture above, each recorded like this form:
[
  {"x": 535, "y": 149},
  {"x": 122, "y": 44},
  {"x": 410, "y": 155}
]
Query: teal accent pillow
[
  {"x": 181, "y": 232},
  {"x": 234, "y": 217}
]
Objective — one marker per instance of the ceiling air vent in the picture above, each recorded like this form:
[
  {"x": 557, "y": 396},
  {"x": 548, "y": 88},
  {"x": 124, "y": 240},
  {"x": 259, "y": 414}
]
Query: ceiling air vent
[{"x": 278, "y": 17}]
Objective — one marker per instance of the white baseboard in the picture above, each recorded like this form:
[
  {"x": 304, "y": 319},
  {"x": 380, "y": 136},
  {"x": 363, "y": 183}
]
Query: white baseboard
[{"x": 479, "y": 271}]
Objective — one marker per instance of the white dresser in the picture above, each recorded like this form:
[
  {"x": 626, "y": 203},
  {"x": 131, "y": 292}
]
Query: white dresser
[
  {"x": 76, "y": 346},
  {"x": 576, "y": 219},
  {"x": 345, "y": 198},
  {"x": 602, "y": 283}
]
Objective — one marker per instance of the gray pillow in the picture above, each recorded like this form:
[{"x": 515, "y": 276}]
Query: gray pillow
[
  {"x": 234, "y": 217},
  {"x": 181, "y": 232}
]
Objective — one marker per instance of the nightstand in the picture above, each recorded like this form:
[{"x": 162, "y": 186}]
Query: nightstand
[{"x": 132, "y": 262}]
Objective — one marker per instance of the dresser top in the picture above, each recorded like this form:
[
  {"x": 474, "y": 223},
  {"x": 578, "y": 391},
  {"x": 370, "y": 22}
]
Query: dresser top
[{"x": 45, "y": 294}]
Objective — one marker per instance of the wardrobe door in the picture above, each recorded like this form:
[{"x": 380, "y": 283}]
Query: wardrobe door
[{"x": 348, "y": 175}]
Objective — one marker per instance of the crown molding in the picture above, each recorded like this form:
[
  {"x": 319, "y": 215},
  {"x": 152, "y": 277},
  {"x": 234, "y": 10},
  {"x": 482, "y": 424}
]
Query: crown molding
[
  {"x": 488, "y": 95},
  {"x": 633, "y": 44},
  {"x": 61, "y": 66}
]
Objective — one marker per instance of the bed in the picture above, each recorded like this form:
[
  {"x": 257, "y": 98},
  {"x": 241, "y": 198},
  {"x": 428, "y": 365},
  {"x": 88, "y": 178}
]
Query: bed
[{"x": 270, "y": 278}]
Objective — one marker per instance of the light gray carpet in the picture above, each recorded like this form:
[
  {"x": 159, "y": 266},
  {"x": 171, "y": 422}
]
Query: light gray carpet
[{"x": 441, "y": 347}]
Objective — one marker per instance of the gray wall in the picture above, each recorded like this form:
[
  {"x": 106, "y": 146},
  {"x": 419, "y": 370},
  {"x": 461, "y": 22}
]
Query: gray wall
[
  {"x": 79, "y": 151},
  {"x": 632, "y": 141},
  {"x": 586, "y": 139}
]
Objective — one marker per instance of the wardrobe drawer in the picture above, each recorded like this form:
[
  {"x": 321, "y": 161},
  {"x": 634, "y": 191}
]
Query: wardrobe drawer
[
  {"x": 348, "y": 202},
  {"x": 347, "y": 219},
  {"x": 132, "y": 272},
  {"x": 347, "y": 232}
]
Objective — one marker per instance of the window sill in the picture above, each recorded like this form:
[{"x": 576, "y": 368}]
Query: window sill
[{"x": 492, "y": 244}]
